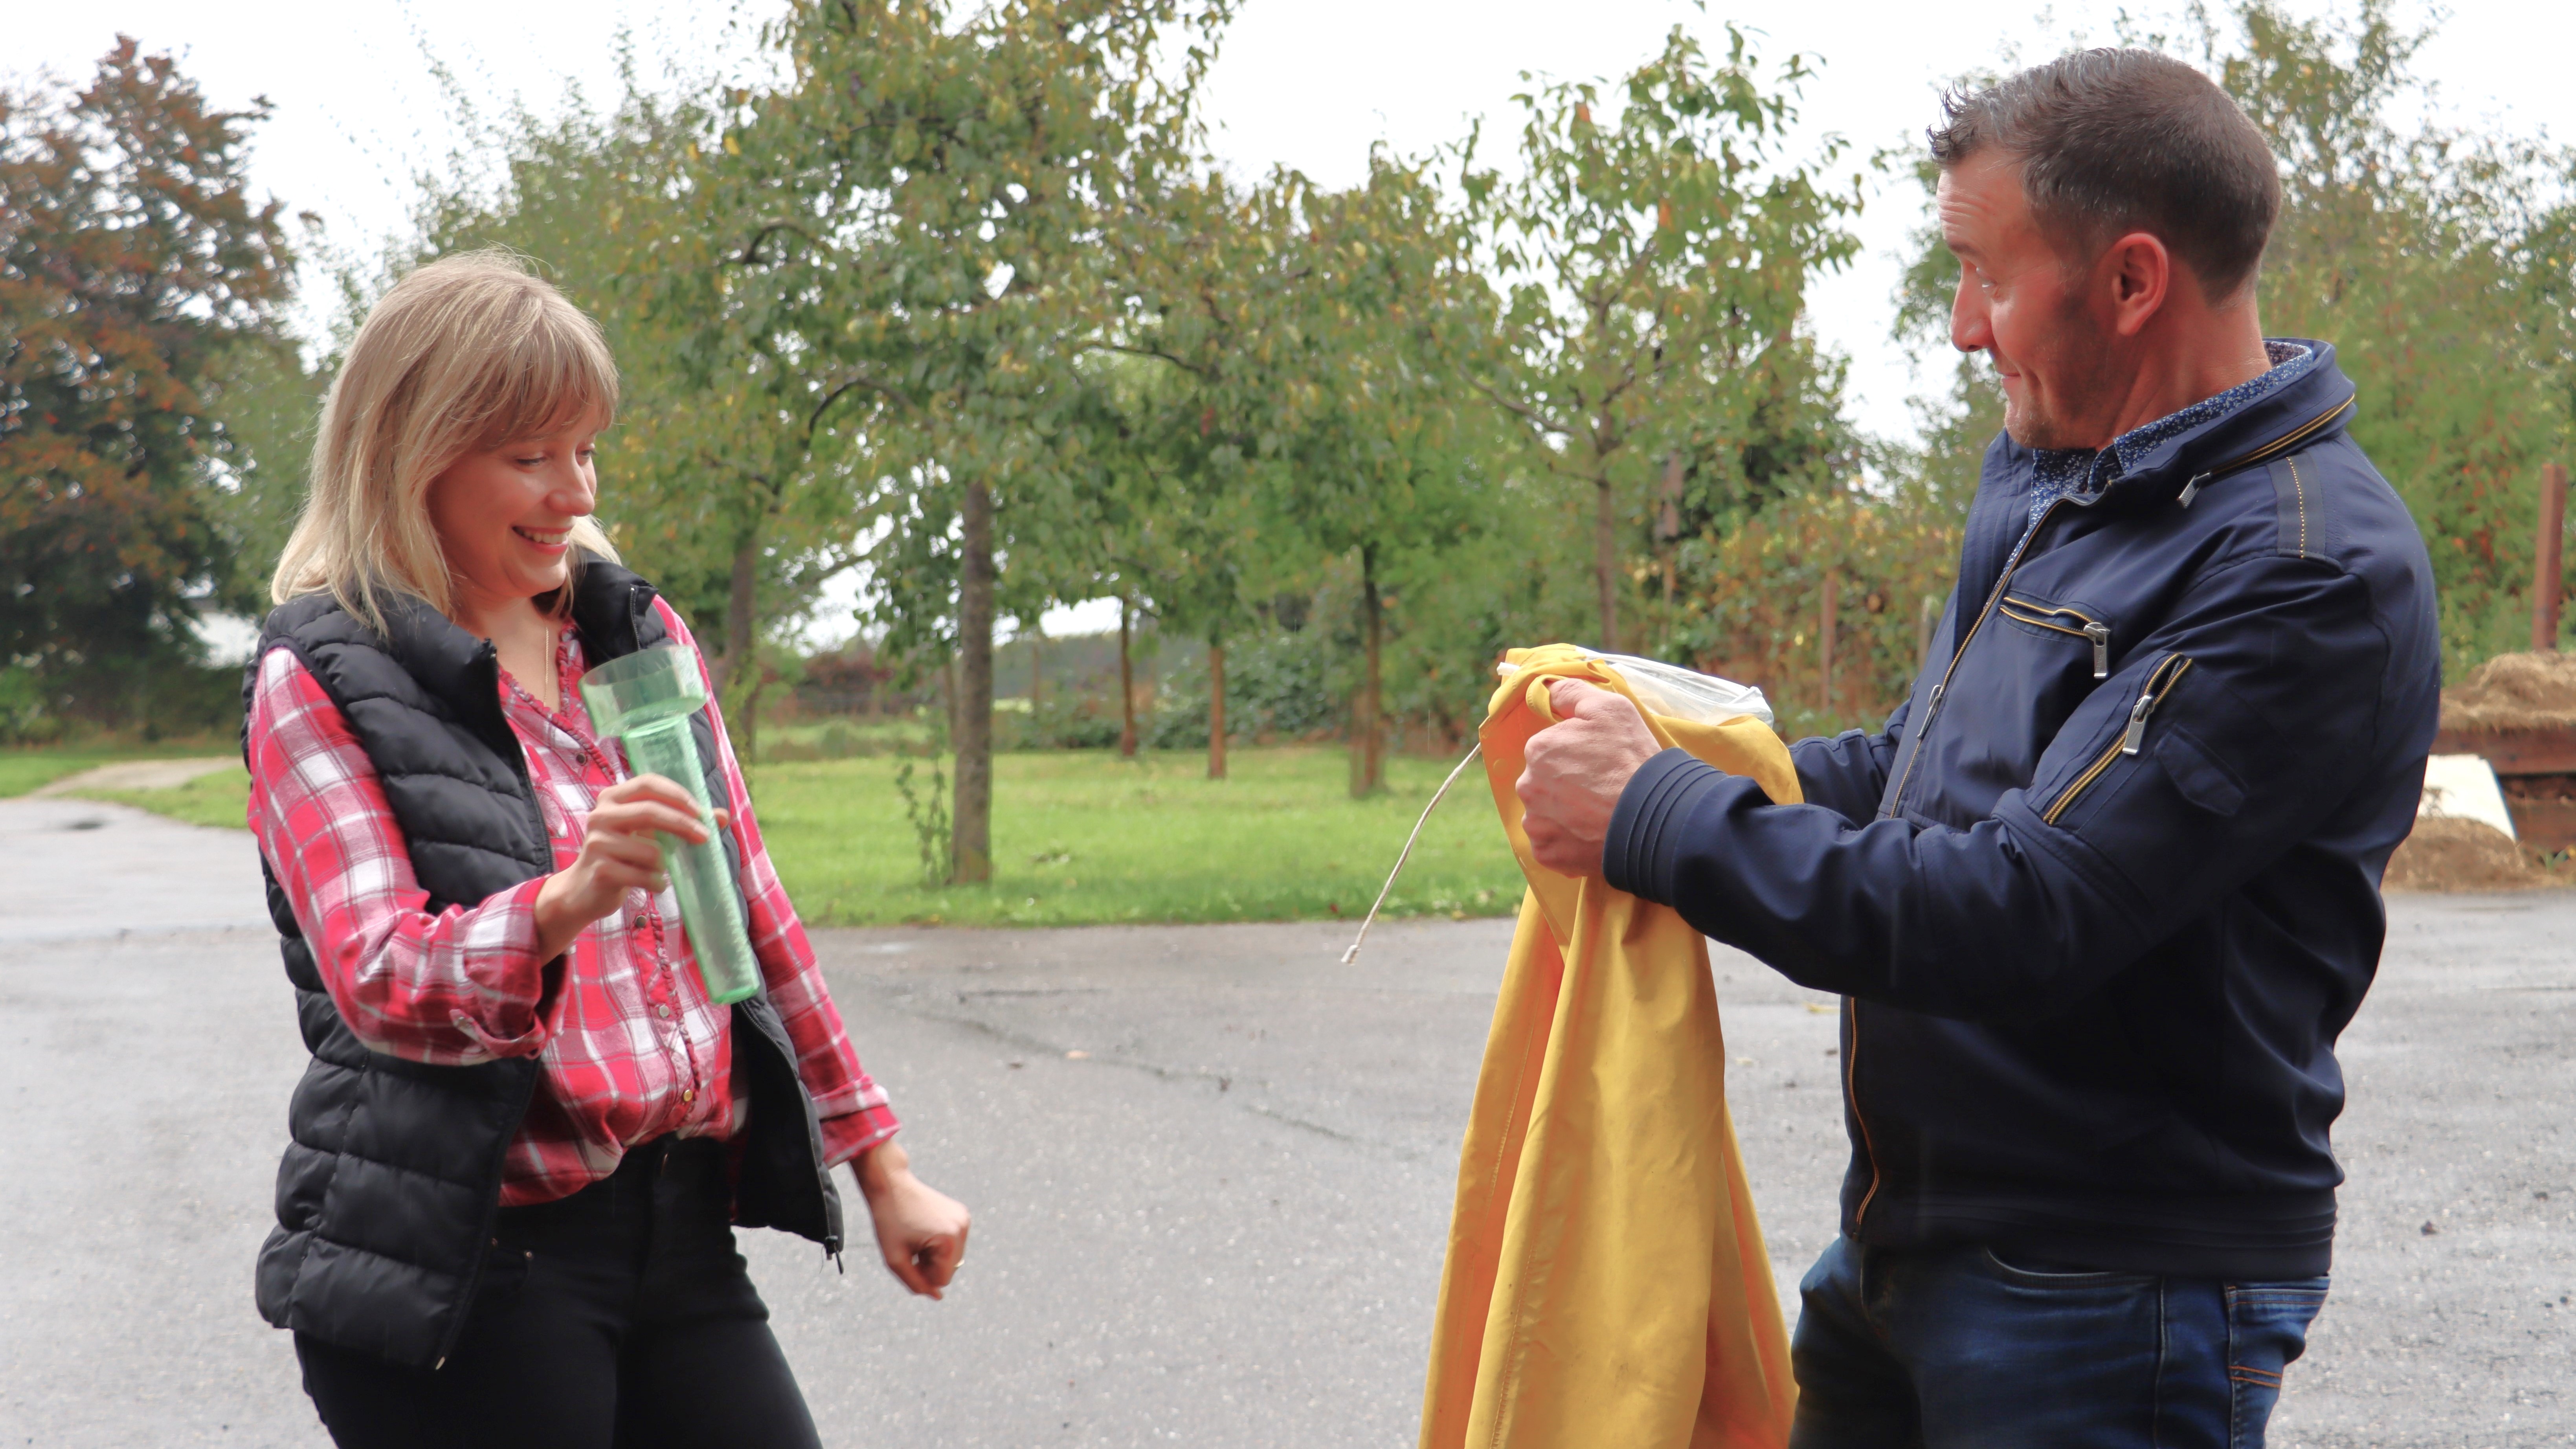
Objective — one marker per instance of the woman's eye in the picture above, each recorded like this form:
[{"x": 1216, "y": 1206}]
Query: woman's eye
[{"x": 531, "y": 462}]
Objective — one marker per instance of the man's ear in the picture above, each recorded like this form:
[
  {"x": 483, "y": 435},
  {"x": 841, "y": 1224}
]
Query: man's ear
[{"x": 2137, "y": 273}]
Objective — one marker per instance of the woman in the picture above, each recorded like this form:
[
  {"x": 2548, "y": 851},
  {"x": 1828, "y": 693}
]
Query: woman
[{"x": 505, "y": 1214}]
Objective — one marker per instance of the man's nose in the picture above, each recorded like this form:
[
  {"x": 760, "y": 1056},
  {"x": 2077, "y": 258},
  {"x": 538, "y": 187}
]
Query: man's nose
[{"x": 1969, "y": 331}]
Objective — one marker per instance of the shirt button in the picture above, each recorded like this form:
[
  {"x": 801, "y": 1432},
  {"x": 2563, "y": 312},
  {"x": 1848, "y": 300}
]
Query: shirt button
[
  {"x": 666, "y": 1012},
  {"x": 690, "y": 1095}
]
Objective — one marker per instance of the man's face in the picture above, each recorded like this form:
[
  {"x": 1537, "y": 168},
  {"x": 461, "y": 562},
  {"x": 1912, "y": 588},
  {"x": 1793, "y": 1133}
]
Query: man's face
[{"x": 2024, "y": 303}]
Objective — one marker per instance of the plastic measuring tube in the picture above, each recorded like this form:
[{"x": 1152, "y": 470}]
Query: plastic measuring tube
[{"x": 645, "y": 699}]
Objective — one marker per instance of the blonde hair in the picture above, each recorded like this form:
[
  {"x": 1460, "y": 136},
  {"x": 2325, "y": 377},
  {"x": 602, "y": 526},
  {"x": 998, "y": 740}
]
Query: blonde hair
[{"x": 468, "y": 352}]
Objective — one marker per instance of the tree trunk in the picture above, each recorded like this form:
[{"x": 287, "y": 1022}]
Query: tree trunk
[
  {"x": 1825, "y": 649},
  {"x": 1368, "y": 759},
  {"x": 971, "y": 843},
  {"x": 1605, "y": 563},
  {"x": 1216, "y": 710},
  {"x": 741, "y": 600},
  {"x": 1126, "y": 687},
  {"x": 1037, "y": 668}
]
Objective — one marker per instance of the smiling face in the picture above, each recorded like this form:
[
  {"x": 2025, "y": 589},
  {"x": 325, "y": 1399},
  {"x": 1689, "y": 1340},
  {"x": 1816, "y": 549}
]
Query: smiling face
[
  {"x": 504, "y": 515},
  {"x": 2027, "y": 305}
]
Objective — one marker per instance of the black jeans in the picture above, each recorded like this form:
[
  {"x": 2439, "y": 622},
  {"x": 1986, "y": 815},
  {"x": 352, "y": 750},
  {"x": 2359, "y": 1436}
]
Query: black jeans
[{"x": 617, "y": 1318}]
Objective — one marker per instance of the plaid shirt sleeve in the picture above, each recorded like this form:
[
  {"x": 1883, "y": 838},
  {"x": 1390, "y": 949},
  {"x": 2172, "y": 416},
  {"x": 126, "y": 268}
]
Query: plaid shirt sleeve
[
  {"x": 458, "y": 986},
  {"x": 853, "y": 1108}
]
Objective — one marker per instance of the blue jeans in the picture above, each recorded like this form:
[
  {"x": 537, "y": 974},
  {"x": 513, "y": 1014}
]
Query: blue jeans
[{"x": 1947, "y": 1348}]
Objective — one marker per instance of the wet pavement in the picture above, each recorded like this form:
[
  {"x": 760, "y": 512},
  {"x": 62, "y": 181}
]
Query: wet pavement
[{"x": 1210, "y": 1166}]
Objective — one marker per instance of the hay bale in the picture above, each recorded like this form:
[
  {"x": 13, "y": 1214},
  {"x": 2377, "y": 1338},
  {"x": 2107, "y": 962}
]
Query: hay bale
[
  {"x": 2450, "y": 854},
  {"x": 2514, "y": 692}
]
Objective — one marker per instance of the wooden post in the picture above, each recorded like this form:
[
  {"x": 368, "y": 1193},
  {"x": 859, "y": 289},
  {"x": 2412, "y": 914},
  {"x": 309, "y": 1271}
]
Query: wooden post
[
  {"x": 1826, "y": 641},
  {"x": 2548, "y": 581},
  {"x": 1925, "y": 620},
  {"x": 1126, "y": 686},
  {"x": 1216, "y": 711}
]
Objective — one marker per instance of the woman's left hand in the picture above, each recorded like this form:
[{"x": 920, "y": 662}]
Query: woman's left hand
[{"x": 921, "y": 1232}]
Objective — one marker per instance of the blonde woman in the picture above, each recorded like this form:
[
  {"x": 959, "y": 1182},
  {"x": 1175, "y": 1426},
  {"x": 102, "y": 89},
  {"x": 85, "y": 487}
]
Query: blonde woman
[{"x": 518, "y": 1154}]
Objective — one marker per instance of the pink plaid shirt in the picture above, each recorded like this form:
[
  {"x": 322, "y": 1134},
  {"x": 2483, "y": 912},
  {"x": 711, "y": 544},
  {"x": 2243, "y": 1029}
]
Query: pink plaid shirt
[{"x": 632, "y": 1048}]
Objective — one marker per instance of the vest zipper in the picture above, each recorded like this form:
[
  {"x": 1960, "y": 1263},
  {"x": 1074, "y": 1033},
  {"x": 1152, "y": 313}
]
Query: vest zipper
[{"x": 2133, "y": 737}]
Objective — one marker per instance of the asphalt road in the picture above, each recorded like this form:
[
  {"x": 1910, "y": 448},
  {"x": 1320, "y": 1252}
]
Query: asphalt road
[{"x": 1219, "y": 1226}]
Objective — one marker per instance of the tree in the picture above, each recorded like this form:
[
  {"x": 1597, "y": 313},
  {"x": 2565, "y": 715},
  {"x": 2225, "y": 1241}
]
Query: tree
[
  {"x": 2439, "y": 265},
  {"x": 135, "y": 270},
  {"x": 1657, "y": 261},
  {"x": 923, "y": 206},
  {"x": 1380, "y": 435},
  {"x": 727, "y": 481}
]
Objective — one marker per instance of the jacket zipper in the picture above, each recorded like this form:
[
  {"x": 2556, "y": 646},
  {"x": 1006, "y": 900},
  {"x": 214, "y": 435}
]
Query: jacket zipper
[
  {"x": 2133, "y": 737},
  {"x": 1932, "y": 705},
  {"x": 1931, "y": 712},
  {"x": 2281, "y": 444},
  {"x": 2049, "y": 616}
]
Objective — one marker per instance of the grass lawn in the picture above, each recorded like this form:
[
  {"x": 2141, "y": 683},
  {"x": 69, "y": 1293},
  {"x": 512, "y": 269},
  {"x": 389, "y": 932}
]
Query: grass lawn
[
  {"x": 1082, "y": 837},
  {"x": 216, "y": 799},
  {"x": 25, "y": 770}
]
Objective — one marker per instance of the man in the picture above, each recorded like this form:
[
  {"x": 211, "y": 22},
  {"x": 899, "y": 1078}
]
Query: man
[{"x": 2104, "y": 891}]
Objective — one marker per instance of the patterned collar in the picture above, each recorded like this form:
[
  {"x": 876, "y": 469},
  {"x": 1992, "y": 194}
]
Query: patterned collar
[{"x": 2082, "y": 472}]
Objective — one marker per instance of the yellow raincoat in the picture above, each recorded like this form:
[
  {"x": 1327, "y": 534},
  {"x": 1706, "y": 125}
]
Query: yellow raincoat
[{"x": 1606, "y": 1282}]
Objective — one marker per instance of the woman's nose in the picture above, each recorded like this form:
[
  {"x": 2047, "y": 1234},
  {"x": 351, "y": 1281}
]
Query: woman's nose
[{"x": 575, "y": 492}]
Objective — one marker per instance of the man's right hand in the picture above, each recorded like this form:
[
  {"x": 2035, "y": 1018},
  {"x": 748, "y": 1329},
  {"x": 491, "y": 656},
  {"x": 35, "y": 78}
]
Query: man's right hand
[{"x": 618, "y": 854}]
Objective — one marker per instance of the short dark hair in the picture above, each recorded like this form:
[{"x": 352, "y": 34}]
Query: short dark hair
[{"x": 2118, "y": 140}]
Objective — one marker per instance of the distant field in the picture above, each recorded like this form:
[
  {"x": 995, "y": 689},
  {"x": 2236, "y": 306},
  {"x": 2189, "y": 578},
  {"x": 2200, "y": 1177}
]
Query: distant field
[
  {"x": 22, "y": 770},
  {"x": 216, "y": 799},
  {"x": 1082, "y": 837}
]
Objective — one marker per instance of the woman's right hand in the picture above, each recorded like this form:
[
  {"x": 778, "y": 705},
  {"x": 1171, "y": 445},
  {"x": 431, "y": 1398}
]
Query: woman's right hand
[{"x": 618, "y": 854}]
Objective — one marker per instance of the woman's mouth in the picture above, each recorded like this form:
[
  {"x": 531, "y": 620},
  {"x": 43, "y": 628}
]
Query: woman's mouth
[{"x": 545, "y": 538}]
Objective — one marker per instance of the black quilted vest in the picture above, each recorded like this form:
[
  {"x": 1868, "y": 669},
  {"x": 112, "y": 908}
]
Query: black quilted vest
[{"x": 386, "y": 1196}]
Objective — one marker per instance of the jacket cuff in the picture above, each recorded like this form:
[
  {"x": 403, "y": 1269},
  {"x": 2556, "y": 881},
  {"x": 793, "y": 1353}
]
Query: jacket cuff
[{"x": 1644, "y": 846}]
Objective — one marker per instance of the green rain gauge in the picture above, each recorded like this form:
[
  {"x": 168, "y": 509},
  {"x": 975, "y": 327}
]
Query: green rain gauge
[{"x": 645, "y": 699}]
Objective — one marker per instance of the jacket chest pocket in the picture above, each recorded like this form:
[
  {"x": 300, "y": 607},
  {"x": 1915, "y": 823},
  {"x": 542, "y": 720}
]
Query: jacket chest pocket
[
  {"x": 2044, "y": 618},
  {"x": 2028, "y": 667}
]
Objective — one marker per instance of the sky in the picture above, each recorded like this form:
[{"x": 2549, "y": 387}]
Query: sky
[{"x": 1305, "y": 83}]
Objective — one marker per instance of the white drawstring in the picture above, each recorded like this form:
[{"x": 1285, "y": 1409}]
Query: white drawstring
[{"x": 1407, "y": 853}]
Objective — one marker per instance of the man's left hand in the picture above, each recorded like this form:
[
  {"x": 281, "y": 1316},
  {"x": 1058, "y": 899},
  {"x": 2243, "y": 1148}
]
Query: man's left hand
[{"x": 1576, "y": 769}]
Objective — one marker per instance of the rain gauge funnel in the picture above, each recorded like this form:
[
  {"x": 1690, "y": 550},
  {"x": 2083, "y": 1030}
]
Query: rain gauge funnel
[{"x": 645, "y": 700}]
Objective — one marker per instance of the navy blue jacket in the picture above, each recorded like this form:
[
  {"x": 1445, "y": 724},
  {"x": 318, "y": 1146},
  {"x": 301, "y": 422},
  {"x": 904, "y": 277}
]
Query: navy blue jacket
[{"x": 2103, "y": 893}]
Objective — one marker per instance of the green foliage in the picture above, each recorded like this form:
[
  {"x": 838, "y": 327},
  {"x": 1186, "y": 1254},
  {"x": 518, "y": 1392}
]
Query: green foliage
[
  {"x": 135, "y": 271},
  {"x": 926, "y": 811},
  {"x": 1656, "y": 262},
  {"x": 2438, "y": 262}
]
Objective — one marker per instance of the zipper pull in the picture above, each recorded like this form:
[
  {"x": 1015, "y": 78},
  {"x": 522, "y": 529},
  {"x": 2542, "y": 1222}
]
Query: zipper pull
[
  {"x": 2136, "y": 738},
  {"x": 2191, "y": 490},
  {"x": 2100, "y": 634}
]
